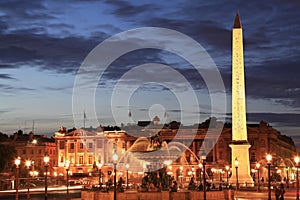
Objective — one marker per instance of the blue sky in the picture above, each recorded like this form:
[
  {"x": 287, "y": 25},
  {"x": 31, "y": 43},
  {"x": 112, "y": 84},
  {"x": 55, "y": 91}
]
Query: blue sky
[{"x": 43, "y": 43}]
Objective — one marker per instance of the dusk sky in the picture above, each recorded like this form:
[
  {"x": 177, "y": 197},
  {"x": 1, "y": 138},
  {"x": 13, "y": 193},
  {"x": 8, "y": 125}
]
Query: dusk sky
[{"x": 43, "y": 44}]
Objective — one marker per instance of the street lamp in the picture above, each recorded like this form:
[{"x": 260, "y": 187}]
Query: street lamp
[
  {"x": 99, "y": 165},
  {"x": 236, "y": 164},
  {"x": 227, "y": 174},
  {"x": 115, "y": 160},
  {"x": 127, "y": 167},
  {"x": 200, "y": 171},
  {"x": 46, "y": 161},
  {"x": 297, "y": 159},
  {"x": 269, "y": 159},
  {"x": 220, "y": 173},
  {"x": 258, "y": 180},
  {"x": 17, "y": 163},
  {"x": 181, "y": 175},
  {"x": 287, "y": 177},
  {"x": 203, "y": 158},
  {"x": 213, "y": 170},
  {"x": 28, "y": 164},
  {"x": 67, "y": 170}
]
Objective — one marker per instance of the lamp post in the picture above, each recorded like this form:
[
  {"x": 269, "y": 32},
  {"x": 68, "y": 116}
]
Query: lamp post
[
  {"x": 287, "y": 177},
  {"x": 258, "y": 180},
  {"x": 67, "y": 170},
  {"x": 181, "y": 175},
  {"x": 46, "y": 161},
  {"x": 203, "y": 158},
  {"x": 297, "y": 159},
  {"x": 220, "y": 175},
  {"x": 127, "y": 167},
  {"x": 236, "y": 164},
  {"x": 227, "y": 174},
  {"x": 213, "y": 170},
  {"x": 269, "y": 159},
  {"x": 17, "y": 163},
  {"x": 200, "y": 171},
  {"x": 99, "y": 165},
  {"x": 115, "y": 160},
  {"x": 28, "y": 164}
]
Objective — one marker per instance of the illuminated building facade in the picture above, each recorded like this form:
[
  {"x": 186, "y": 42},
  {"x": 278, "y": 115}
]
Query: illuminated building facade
[{"x": 86, "y": 148}]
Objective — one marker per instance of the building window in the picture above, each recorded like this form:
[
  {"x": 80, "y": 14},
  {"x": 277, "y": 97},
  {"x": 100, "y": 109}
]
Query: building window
[
  {"x": 61, "y": 159},
  {"x": 220, "y": 155},
  {"x": 40, "y": 151},
  {"x": 252, "y": 142},
  {"x": 262, "y": 143},
  {"x": 90, "y": 145},
  {"x": 80, "y": 159},
  {"x": 90, "y": 159},
  {"x": 50, "y": 151},
  {"x": 31, "y": 151},
  {"x": 61, "y": 145},
  {"x": 24, "y": 151},
  {"x": 81, "y": 145},
  {"x": 71, "y": 145},
  {"x": 99, "y": 144}
]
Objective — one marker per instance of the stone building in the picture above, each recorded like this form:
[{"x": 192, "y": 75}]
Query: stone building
[{"x": 35, "y": 147}]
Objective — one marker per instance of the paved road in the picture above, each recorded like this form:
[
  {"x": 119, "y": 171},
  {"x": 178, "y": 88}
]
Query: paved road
[{"x": 38, "y": 194}]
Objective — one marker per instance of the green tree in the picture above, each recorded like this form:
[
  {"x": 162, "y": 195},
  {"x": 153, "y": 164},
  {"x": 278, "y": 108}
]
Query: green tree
[{"x": 7, "y": 153}]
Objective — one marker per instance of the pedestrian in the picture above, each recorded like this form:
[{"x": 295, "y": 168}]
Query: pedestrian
[
  {"x": 282, "y": 191},
  {"x": 277, "y": 192}
]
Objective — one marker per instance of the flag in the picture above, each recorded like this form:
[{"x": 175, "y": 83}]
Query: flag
[
  {"x": 84, "y": 115},
  {"x": 129, "y": 114}
]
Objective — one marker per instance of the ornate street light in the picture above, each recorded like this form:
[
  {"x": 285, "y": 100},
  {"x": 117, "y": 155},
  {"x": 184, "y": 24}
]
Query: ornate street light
[
  {"x": 99, "y": 165},
  {"x": 17, "y": 163},
  {"x": 127, "y": 167},
  {"x": 115, "y": 160},
  {"x": 227, "y": 174},
  {"x": 287, "y": 177},
  {"x": 67, "y": 170},
  {"x": 203, "y": 158},
  {"x": 297, "y": 159},
  {"x": 258, "y": 180},
  {"x": 213, "y": 170},
  {"x": 28, "y": 164},
  {"x": 236, "y": 164},
  {"x": 46, "y": 161},
  {"x": 269, "y": 159},
  {"x": 200, "y": 171},
  {"x": 181, "y": 175}
]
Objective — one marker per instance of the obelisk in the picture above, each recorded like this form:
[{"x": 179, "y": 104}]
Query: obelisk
[{"x": 239, "y": 145}]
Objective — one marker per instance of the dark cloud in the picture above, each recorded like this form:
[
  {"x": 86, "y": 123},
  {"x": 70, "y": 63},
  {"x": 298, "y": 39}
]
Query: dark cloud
[
  {"x": 61, "y": 88},
  {"x": 7, "y": 66},
  {"x": 62, "y": 55},
  {"x": 5, "y": 76},
  {"x": 280, "y": 119},
  {"x": 12, "y": 89},
  {"x": 125, "y": 9},
  {"x": 277, "y": 79}
]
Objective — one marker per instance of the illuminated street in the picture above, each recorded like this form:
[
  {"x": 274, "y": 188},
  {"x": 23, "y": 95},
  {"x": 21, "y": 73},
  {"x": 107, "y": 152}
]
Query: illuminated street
[{"x": 38, "y": 193}]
